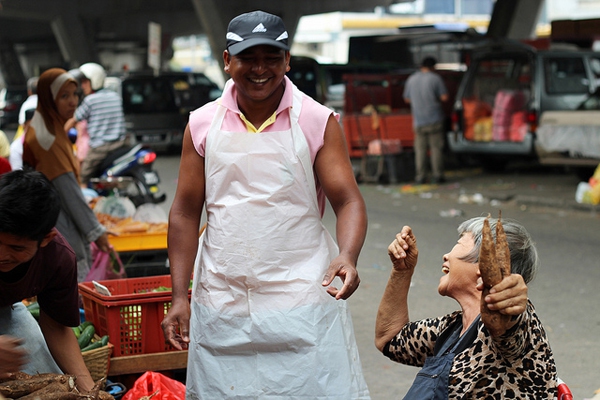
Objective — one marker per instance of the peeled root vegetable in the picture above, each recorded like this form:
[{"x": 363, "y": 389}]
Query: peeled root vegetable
[{"x": 494, "y": 264}]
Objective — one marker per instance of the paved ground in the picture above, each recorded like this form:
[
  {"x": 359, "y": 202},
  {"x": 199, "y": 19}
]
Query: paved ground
[
  {"x": 545, "y": 202},
  {"x": 544, "y": 199},
  {"x": 526, "y": 186}
]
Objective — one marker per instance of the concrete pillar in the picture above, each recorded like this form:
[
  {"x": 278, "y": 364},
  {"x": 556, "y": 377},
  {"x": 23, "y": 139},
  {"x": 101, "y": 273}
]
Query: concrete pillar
[
  {"x": 514, "y": 19},
  {"x": 10, "y": 68},
  {"x": 73, "y": 41},
  {"x": 215, "y": 27}
]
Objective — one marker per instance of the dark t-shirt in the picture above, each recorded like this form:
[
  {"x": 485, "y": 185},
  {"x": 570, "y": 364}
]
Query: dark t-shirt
[{"x": 51, "y": 275}]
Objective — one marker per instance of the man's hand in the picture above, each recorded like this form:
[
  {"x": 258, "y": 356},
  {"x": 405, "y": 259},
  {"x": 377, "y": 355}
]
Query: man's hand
[
  {"x": 346, "y": 270},
  {"x": 176, "y": 325},
  {"x": 12, "y": 356}
]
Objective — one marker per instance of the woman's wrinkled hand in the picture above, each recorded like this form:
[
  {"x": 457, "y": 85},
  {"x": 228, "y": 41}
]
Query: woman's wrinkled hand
[
  {"x": 103, "y": 243},
  {"x": 509, "y": 296},
  {"x": 403, "y": 250}
]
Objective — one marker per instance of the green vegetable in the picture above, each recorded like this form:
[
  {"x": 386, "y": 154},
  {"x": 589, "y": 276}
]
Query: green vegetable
[
  {"x": 76, "y": 331},
  {"x": 35, "y": 312},
  {"x": 34, "y": 309},
  {"x": 86, "y": 336},
  {"x": 104, "y": 340},
  {"x": 92, "y": 346},
  {"x": 84, "y": 325}
]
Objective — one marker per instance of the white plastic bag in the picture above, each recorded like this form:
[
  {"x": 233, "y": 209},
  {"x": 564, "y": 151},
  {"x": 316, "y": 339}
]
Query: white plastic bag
[
  {"x": 151, "y": 213},
  {"x": 582, "y": 187},
  {"x": 120, "y": 207}
]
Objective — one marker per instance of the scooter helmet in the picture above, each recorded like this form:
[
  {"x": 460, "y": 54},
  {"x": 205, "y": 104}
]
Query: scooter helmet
[
  {"x": 95, "y": 73},
  {"x": 77, "y": 75}
]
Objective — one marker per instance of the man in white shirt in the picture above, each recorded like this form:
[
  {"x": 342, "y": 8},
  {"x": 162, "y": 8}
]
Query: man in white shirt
[{"x": 16, "y": 147}]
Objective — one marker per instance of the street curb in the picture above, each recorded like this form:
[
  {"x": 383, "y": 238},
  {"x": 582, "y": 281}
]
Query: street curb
[{"x": 553, "y": 202}]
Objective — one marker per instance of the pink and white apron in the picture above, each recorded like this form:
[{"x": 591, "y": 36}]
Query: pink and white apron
[{"x": 262, "y": 325}]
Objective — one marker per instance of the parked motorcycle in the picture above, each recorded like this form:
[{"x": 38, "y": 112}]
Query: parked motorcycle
[{"x": 128, "y": 172}]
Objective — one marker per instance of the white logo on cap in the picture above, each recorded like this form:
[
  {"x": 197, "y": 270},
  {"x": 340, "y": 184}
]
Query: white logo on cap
[
  {"x": 234, "y": 36},
  {"x": 259, "y": 28}
]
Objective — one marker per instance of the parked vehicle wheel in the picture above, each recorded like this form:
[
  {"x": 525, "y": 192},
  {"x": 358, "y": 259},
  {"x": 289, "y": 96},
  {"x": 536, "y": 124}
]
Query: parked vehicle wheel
[
  {"x": 138, "y": 192},
  {"x": 493, "y": 164}
]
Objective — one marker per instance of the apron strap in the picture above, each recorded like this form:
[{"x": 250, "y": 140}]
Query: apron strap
[
  {"x": 215, "y": 124},
  {"x": 449, "y": 342},
  {"x": 301, "y": 145}
]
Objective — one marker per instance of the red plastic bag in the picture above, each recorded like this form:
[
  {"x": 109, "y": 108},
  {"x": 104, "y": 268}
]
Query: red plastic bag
[
  {"x": 155, "y": 382},
  {"x": 105, "y": 266}
]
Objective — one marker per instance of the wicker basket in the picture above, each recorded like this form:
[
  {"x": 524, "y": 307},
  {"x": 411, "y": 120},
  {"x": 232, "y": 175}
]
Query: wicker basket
[{"x": 97, "y": 361}]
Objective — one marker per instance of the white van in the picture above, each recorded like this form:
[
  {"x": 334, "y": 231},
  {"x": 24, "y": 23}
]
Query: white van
[{"x": 506, "y": 106}]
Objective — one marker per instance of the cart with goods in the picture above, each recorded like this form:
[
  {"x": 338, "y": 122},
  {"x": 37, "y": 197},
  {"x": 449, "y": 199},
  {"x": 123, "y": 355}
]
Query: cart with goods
[
  {"x": 130, "y": 311},
  {"x": 138, "y": 234},
  {"x": 378, "y": 123}
]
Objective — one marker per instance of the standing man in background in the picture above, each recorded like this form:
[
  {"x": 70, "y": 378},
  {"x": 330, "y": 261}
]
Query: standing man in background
[
  {"x": 31, "y": 101},
  {"x": 103, "y": 110},
  {"x": 425, "y": 91},
  {"x": 16, "y": 147}
]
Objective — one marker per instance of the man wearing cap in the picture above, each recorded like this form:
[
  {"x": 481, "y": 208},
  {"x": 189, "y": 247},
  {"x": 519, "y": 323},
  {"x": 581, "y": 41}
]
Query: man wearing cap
[{"x": 268, "y": 316}]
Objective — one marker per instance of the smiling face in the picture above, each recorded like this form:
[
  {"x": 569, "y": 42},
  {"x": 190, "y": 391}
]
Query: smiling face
[
  {"x": 460, "y": 277},
  {"x": 67, "y": 100},
  {"x": 258, "y": 73},
  {"x": 16, "y": 250}
]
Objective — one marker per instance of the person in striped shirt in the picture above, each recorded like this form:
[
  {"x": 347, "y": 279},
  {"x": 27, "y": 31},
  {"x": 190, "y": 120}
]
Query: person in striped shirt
[{"x": 103, "y": 110}]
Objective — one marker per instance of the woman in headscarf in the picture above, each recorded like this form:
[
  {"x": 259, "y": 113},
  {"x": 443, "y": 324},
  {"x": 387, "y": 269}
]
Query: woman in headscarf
[{"x": 47, "y": 148}]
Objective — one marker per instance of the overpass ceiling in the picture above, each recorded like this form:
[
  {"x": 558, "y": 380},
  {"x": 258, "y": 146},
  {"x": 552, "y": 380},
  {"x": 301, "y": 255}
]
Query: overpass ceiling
[{"x": 28, "y": 21}]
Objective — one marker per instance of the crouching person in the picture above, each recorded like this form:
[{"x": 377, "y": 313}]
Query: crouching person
[
  {"x": 465, "y": 354},
  {"x": 35, "y": 260}
]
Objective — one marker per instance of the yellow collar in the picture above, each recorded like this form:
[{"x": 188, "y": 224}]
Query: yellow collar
[{"x": 252, "y": 129}]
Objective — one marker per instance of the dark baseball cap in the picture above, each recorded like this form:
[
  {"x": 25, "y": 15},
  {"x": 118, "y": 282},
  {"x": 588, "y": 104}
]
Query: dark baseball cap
[{"x": 256, "y": 28}]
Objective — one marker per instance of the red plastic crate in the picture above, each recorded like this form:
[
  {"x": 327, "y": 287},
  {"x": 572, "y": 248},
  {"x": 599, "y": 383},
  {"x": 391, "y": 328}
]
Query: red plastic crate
[{"x": 131, "y": 317}]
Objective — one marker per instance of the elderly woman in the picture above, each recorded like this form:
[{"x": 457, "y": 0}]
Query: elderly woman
[
  {"x": 47, "y": 148},
  {"x": 459, "y": 357}
]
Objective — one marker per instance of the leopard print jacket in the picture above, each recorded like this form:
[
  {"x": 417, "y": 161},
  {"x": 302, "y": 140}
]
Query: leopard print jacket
[{"x": 517, "y": 365}]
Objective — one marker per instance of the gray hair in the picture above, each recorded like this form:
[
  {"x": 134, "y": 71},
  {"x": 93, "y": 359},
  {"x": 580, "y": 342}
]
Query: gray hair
[{"x": 523, "y": 253}]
